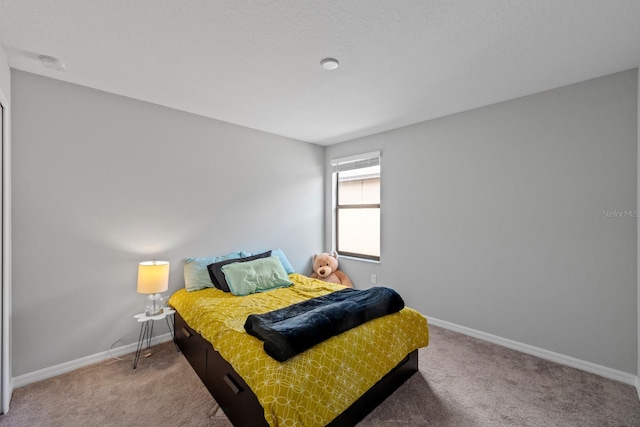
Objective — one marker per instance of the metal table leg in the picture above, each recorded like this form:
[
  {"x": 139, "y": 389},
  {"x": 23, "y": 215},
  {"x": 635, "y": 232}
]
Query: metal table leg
[{"x": 144, "y": 332}]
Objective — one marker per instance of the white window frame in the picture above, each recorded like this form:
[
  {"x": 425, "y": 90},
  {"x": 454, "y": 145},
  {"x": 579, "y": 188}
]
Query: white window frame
[{"x": 343, "y": 164}]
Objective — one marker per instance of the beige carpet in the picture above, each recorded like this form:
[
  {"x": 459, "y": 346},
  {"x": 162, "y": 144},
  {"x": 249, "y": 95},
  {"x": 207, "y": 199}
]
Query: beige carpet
[{"x": 462, "y": 382}]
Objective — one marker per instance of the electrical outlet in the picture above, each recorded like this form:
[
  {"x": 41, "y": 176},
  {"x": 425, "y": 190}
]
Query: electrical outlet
[{"x": 374, "y": 278}]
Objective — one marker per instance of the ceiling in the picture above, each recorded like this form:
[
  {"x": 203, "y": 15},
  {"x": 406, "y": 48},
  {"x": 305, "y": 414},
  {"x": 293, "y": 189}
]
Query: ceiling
[{"x": 256, "y": 63}]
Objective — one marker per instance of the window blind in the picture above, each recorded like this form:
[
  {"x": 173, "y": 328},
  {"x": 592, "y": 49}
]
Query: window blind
[{"x": 355, "y": 162}]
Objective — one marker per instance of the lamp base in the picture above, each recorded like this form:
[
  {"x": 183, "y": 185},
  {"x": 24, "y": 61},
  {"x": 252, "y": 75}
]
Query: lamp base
[{"x": 155, "y": 305}]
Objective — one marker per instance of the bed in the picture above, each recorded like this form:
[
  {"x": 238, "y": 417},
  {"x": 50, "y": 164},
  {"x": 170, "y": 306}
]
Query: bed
[{"x": 336, "y": 382}]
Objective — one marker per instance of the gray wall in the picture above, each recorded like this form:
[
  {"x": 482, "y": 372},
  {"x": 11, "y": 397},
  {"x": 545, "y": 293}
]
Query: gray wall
[
  {"x": 493, "y": 219},
  {"x": 102, "y": 182},
  {"x": 505, "y": 233}
]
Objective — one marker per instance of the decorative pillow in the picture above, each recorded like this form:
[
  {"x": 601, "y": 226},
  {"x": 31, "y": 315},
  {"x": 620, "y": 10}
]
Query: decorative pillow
[
  {"x": 217, "y": 276},
  {"x": 281, "y": 256},
  {"x": 196, "y": 275},
  {"x": 260, "y": 275}
]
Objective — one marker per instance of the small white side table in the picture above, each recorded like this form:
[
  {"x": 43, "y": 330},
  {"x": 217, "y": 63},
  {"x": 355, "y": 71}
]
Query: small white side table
[{"x": 146, "y": 329}]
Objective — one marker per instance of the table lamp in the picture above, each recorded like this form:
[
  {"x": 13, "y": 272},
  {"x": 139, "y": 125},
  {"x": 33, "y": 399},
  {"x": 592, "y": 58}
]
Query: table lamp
[{"x": 153, "y": 278}]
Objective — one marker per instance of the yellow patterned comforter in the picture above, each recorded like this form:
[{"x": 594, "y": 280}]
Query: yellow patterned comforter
[{"x": 315, "y": 386}]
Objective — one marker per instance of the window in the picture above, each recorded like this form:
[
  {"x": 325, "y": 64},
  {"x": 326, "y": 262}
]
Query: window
[{"x": 357, "y": 205}]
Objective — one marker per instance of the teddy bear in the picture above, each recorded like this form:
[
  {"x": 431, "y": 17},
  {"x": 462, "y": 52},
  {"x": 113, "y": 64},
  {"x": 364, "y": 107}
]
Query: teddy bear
[{"x": 325, "y": 267}]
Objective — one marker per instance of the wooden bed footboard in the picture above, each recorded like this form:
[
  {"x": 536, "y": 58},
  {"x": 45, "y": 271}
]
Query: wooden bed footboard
[{"x": 241, "y": 405}]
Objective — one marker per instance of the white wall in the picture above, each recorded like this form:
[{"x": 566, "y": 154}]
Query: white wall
[
  {"x": 5, "y": 76},
  {"x": 102, "y": 182},
  {"x": 504, "y": 231},
  {"x": 5, "y": 299}
]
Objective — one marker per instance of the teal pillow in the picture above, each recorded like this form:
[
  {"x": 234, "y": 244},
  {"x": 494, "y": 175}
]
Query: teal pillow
[
  {"x": 281, "y": 256},
  {"x": 260, "y": 275},
  {"x": 283, "y": 259},
  {"x": 196, "y": 275}
]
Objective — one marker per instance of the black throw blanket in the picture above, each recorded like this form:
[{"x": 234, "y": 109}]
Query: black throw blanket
[{"x": 293, "y": 329}]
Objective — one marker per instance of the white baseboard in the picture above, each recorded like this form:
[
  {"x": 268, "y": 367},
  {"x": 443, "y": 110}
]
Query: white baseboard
[
  {"x": 603, "y": 371},
  {"x": 562, "y": 359},
  {"x": 43, "y": 374}
]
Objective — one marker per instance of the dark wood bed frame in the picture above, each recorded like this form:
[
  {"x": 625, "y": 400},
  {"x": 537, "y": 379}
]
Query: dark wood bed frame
[{"x": 239, "y": 403}]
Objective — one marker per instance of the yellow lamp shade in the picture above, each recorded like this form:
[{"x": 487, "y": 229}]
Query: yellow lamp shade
[{"x": 153, "y": 277}]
